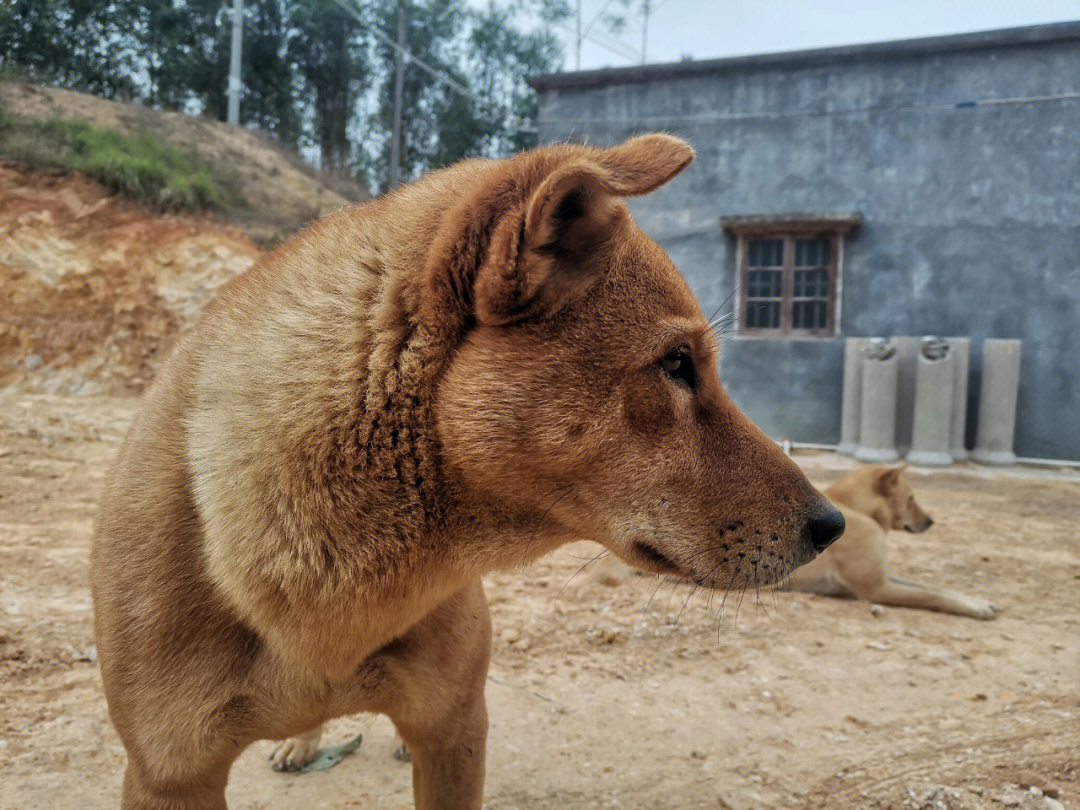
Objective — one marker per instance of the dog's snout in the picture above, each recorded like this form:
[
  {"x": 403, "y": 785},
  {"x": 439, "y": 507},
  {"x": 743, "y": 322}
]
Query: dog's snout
[{"x": 824, "y": 526}]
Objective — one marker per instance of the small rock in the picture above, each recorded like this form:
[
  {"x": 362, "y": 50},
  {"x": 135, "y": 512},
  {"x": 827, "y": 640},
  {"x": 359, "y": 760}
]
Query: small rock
[
  {"x": 877, "y": 610},
  {"x": 611, "y": 637},
  {"x": 510, "y": 635}
]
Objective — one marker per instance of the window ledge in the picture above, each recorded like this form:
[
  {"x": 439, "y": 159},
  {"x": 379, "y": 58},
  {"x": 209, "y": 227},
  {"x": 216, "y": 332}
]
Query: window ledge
[
  {"x": 840, "y": 222},
  {"x": 782, "y": 336}
]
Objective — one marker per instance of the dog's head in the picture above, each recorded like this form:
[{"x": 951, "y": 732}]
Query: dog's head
[
  {"x": 899, "y": 509},
  {"x": 585, "y": 386}
]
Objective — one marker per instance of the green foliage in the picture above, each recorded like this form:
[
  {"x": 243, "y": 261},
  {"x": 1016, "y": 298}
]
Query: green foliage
[
  {"x": 329, "y": 48},
  {"x": 489, "y": 53},
  {"x": 141, "y": 166},
  {"x": 316, "y": 75},
  {"x": 75, "y": 43}
]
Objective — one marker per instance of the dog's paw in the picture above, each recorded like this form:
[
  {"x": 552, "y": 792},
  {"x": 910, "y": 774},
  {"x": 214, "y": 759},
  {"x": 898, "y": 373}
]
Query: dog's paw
[
  {"x": 296, "y": 752},
  {"x": 982, "y": 609}
]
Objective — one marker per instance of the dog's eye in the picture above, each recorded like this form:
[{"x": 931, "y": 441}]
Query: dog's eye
[{"x": 678, "y": 365}]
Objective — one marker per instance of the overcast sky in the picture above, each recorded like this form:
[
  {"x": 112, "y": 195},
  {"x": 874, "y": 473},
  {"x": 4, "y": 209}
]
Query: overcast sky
[{"x": 705, "y": 29}]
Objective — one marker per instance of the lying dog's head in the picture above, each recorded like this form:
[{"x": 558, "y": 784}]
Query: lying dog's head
[
  {"x": 585, "y": 388},
  {"x": 898, "y": 509}
]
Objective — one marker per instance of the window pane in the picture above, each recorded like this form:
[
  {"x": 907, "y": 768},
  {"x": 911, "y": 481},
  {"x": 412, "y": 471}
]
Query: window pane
[
  {"x": 808, "y": 315},
  {"x": 763, "y": 284},
  {"x": 811, "y": 283},
  {"x": 766, "y": 252},
  {"x": 811, "y": 252},
  {"x": 763, "y": 314}
]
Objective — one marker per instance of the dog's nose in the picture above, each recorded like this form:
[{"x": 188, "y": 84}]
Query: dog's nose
[{"x": 824, "y": 526}]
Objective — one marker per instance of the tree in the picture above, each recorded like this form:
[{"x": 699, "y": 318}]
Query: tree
[
  {"x": 312, "y": 69},
  {"x": 487, "y": 54},
  {"x": 330, "y": 52},
  {"x": 162, "y": 37},
  {"x": 74, "y": 43},
  {"x": 500, "y": 59},
  {"x": 270, "y": 77}
]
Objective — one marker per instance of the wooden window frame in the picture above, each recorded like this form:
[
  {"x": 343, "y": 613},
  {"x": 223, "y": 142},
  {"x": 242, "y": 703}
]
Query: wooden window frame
[{"x": 834, "y": 228}]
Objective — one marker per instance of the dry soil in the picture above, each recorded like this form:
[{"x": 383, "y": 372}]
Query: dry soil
[{"x": 620, "y": 695}]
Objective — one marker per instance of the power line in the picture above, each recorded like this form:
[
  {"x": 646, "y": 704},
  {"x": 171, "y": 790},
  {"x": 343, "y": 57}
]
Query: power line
[
  {"x": 515, "y": 123},
  {"x": 616, "y": 46},
  {"x": 749, "y": 116},
  {"x": 596, "y": 17}
]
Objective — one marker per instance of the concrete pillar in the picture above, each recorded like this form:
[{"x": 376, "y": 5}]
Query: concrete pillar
[
  {"x": 907, "y": 352},
  {"x": 931, "y": 433},
  {"x": 997, "y": 402},
  {"x": 851, "y": 411},
  {"x": 877, "y": 425},
  {"x": 961, "y": 352}
]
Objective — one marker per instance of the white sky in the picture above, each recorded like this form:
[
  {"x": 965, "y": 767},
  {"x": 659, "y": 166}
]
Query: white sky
[{"x": 707, "y": 29}]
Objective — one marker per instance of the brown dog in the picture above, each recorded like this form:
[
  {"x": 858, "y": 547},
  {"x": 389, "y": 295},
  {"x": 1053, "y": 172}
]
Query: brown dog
[
  {"x": 875, "y": 499},
  {"x": 456, "y": 378}
]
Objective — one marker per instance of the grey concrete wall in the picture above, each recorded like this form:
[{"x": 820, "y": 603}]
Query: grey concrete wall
[{"x": 971, "y": 214}]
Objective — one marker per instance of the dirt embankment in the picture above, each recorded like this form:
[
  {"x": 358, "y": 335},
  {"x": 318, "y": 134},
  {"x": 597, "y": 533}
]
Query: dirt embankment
[
  {"x": 94, "y": 289},
  {"x": 280, "y": 192}
]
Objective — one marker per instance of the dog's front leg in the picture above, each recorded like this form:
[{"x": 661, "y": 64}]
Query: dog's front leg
[
  {"x": 296, "y": 752},
  {"x": 448, "y": 759},
  {"x": 431, "y": 683}
]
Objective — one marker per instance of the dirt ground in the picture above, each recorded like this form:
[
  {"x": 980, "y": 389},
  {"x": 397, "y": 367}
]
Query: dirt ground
[{"x": 619, "y": 696}]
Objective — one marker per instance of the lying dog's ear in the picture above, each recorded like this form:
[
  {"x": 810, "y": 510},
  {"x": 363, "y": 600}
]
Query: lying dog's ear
[
  {"x": 546, "y": 256},
  {"x": 889, "y": 478}
]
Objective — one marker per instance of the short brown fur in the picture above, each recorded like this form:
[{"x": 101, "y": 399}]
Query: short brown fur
[
  {"x": 453, "y": 379},
  {"x": 874, "y": 500}
]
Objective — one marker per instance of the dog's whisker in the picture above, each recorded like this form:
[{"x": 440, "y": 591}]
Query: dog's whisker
[
  {"x": 587, "y": 564},
  {"x": 659, "y": 583},
  {"x": 532, "y": 538},
  {"x": 724, "y": 303},
  {"x": 685, "y": 601}
]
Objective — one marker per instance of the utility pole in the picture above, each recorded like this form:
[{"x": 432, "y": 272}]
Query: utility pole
[
  {"x": 399, "y": 80},
  {"x": 644, "y": 27},
  {"x": 233, "y": 112},
  {"x": 577, "y": 50}
]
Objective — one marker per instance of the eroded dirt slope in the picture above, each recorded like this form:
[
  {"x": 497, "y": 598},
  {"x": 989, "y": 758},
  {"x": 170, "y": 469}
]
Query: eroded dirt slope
[
  {"x": 93, "y": 289},
  {"x": 281, "y": 193}
]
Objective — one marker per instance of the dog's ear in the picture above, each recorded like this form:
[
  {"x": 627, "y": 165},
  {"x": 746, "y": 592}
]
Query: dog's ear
[
  {"x": 546, "y": 255},
  {"x": 644, "y": 163},
  {"x": 889, "y": 478},
  {"x": 541, "y": 258}
]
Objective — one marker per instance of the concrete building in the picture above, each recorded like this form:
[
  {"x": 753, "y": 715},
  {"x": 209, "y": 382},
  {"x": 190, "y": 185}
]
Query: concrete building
[{"x": 905, "y": 188}]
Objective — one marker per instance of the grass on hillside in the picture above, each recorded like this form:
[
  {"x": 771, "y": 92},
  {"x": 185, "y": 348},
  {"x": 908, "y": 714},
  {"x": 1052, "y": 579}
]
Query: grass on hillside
[{"x": 140, "y": 166}]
